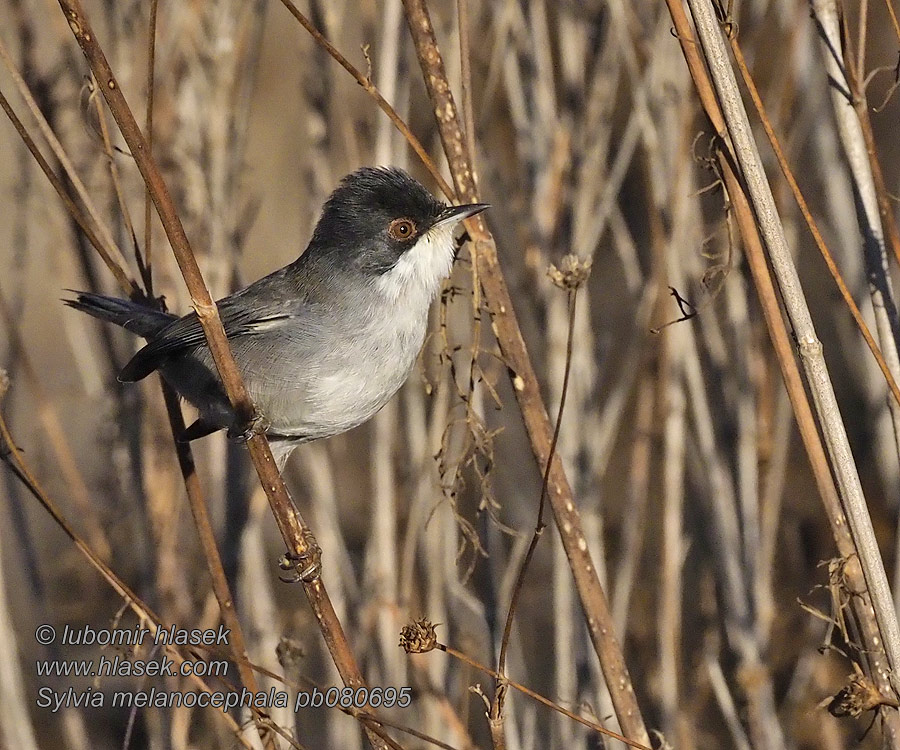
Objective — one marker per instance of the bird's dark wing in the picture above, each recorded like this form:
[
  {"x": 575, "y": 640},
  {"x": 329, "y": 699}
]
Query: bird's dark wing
[{"x": 254, "y": 310}]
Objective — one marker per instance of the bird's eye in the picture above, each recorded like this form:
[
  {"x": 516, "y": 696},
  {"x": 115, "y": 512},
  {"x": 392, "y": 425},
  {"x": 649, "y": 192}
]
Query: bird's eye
[{"x": 402, "y": 229}]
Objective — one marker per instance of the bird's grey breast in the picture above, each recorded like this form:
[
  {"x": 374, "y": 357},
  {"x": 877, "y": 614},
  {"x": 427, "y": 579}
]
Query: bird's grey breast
[
  {"x": 367, "y": 358},
  {"x": 332, "y": 367},
  {"x": 318, "y": 367}
]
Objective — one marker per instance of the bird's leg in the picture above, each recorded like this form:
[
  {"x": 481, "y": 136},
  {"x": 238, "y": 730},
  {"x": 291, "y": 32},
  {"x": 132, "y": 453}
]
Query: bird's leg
[{"x": 244, "y": 429}]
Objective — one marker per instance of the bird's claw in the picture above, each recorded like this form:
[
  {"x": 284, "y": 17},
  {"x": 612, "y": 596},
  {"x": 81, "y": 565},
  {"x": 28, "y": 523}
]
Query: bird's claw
[
  {"x": 305, "y": 567},
  {"x": 243, "y": 431}
]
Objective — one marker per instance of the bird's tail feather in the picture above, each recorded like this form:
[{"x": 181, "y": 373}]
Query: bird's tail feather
[{"x": 134, "y": 317}]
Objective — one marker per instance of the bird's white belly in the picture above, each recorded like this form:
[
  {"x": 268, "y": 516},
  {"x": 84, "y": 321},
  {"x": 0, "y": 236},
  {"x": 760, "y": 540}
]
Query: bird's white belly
[
  {"x": 356, "y": 379},
  {"x": 343, "y": 401}
]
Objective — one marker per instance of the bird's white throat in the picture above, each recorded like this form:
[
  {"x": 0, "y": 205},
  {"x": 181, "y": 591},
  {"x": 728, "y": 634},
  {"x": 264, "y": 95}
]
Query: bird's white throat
[{"x": 417, "y": 276}]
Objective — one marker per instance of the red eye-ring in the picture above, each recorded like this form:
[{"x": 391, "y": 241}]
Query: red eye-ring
[{"x": 402, "y": 229}]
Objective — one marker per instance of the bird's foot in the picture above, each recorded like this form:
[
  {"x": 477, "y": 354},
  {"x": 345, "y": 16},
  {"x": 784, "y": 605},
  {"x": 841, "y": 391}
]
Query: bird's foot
[
  {"x": 241, "y": 432},
  {"x": 305, "y": 566}
]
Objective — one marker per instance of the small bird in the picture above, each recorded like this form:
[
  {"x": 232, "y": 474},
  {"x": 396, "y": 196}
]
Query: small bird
[{"x": 323, "y": 343}]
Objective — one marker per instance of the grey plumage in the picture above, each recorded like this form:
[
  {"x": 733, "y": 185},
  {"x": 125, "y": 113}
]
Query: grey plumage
[{"x": 323, "y": 343}]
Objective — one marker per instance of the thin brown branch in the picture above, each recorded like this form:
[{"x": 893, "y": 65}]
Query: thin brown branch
[
  {"x": 462, "y": 8},
  {"x": 893, "y": 15},
  {"x": 196, "y": 499},
  {"x": 372, "y": 90},
  {"x": 524, "y": 380},
  {"x": 110, "y": 251},
  {"x": 863, "y": 10},
  {"x": 885, "y": 206},
  {"x": 183, "y": 451},
  {"x": 303, "y": 552},
  {"x": 521, "y": 372},
  {"x": 146, "y": 263},
  {"x": 200, "y": 512},
  {"x": 118, "y": 271},
  {"x": 110, "y": 152},
  {"x": 539, "y": 698},
  {"x": 56, "y": 435},
  {"x": 497, "y": 706},
  {"x": 12, "y": 457}
]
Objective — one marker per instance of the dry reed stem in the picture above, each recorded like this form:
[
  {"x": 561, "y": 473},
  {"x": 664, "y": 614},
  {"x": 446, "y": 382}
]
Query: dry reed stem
[
  {"x": 462, "y": 7},
  {"x": 372, "y": 90},
  {"x": 726, "y": 704},
  {"x": 781, "y": 341},
  {"x": 524, "y": 380},
  {"x": 300, "y": 543},
  {"x": 863, "y": 165},
  {"x": 809, "y": 345},
  {"x": 56, "y": 434},
  {"x": 509, "y": 336},
  {"x": 671, "y": 586},
  {"x": 11, "y": 455},
  {"x": 110, "y": 251},
  {"x": 145, "y": 263},
  {"x": 563, "y": 69},
  {"x": 538, "y": 697},
  {"x": 496, "y": 715},
  {"x": 200, "y": 513},
  {"x": 377, "y": 722},
  {"x": 196, "y": 499},
  {"x": 648, "y": 404},
  {"x": 111, "y": 164},
  {"x": 811, "y": 223},
  {"x": 856, "y": 83},
  {"x": 18, "y": 729},
  {"x": 118, "y": 271},
  {"x": 733, "y": 573},
  {"x": 769, "y": 300}
]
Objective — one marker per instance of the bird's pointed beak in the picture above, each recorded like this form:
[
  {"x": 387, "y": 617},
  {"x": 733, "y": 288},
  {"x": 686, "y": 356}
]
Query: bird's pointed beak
[{"x": 455, "y": 214}]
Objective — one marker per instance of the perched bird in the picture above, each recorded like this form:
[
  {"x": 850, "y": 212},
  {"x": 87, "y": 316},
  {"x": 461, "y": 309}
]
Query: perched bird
[{"x": 323, "y": 343}]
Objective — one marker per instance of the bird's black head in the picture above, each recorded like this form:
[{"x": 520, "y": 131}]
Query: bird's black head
[{"x": 375, "y": 216}]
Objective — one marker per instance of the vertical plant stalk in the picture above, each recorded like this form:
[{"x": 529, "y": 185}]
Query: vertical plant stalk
[
  {"x": 537, "y": 697},
  {"x": 781, "y": 343},
  {"x": 145, "y": 264},
  {"x": 108, "y": 250},
  {"x": 200, "y": 512},
  {"x": 84, "y": 221},
  {"x": 185, "y": 459},
  {"x": 496, "y": 715},
  {"x": 810, "y": 348},
  {"x": 670, "y": 621},
  {"x": 372, "y": 91},
  {"x": 889, "y": 376},
  {"x": 12, "y": 457},
  {"x": 18, "y": 729},
  {"x": 524, "y": 381},
  {"x": 462, "y": 9},
  {"x": 850, "y": 131},
  {"x": 56, "y": 436},
  {"x": 303, "y": 552},
  {"x": 856, "y": 82}
]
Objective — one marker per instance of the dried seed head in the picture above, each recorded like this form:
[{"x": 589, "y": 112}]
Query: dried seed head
[
  {"x": 858, "y": 696},
  {"x": 572, "y": 272},
  {"x": 418, "y": 637},
  {"x": 290, "y": 653}
]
